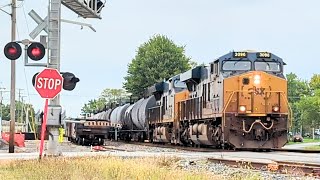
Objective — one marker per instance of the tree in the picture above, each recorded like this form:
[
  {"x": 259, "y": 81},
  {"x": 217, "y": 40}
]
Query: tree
[
  {"x": 20, "y": 107},
  {"x": 310, "y": 110},
  {"x": 117, "y": 96},
  {"x": 94, "y": 106},
  {"x": 315, "y": 82},
  {"x": 297, "y": 89},
  {"x": 108, "y": 98},
  {"x": 156, "y": 60}
]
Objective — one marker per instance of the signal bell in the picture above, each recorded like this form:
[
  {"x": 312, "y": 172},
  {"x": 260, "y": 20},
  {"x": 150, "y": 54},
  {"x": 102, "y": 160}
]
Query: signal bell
[
  {"x": 12, "y": 50},
  {"x": 36, "y": 51},
  {"x": 69, "y": 81}
]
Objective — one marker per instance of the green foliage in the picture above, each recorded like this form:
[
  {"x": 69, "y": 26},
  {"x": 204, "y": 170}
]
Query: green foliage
[
  {"x": 310, "y": 109},
  {"x": 109, "y": 97},
  {"x": 156, "y": 60},
  {"x": 304, "y": 98},
  {"x": 115, "y": 96},
  {"x": 94, "y": 105},
  {"x": 297, "y": 88},
  {"x": 315, "y": 82},
  {"x": 20, "y": 112}
]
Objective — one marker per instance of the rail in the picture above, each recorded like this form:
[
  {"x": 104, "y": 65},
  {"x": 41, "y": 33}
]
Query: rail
[{"x": 276, "y": 166}]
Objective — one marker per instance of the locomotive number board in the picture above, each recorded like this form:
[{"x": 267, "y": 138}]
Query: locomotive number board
[
  {"x": 239, "y": 54},
  {"x": 263, "y": 55}
]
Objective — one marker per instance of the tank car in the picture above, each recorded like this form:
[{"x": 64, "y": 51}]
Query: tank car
[{"x": 239, "y": 101}]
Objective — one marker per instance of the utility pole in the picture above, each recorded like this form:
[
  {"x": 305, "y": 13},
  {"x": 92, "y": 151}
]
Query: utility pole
[{"x": 13, "y": 79}]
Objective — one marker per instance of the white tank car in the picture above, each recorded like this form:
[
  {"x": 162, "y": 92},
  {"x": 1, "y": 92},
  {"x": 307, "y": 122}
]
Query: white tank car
[
  {"x": 140, "y": 111},
  {"x": 127, "y": 117},
  {"x": 107, "y": 115},
  {"x": 117, "y": 115},
  {"x": 120, "y": 114},
  {"x": 113, "y": 115}
]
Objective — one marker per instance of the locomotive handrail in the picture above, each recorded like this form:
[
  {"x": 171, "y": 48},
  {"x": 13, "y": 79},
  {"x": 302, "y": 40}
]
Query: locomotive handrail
[
  {"x": 255, "y": 122},
  {"x": 290, "y": 109},
  {"x": 281, "y": 92}
]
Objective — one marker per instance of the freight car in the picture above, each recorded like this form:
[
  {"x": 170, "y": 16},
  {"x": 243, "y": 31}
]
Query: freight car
[
  {"x": 91, "y": 131},
  {"x": 239, "y": 101}
]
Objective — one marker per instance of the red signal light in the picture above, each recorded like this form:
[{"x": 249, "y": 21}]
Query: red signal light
[
  {"x": 36, "y": 51},
  {"x": 12, "y": 50}
]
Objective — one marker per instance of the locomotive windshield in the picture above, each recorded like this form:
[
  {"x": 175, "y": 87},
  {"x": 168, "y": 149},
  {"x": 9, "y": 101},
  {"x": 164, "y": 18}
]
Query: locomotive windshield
[
  {"x": 267, "y": 66},
  {"x": 236, "y": 65}
]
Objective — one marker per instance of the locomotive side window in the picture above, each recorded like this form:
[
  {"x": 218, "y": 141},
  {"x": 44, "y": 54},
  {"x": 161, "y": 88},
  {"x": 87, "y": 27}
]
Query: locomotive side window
[
  {"x": 240, "y": 65},
  {"x": 216, "y": 67},
  {"x": 212, "y": 68},
  {"x": 267, "y": 66}
]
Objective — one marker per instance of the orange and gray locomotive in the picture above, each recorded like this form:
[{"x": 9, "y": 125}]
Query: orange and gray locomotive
[{"x": 238, "y": 101}]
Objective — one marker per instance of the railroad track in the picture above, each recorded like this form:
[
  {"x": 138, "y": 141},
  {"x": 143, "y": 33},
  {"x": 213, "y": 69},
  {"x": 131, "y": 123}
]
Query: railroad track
[
  {"x": 285, "y": 167},
  {"x": 203, "y": 149}
]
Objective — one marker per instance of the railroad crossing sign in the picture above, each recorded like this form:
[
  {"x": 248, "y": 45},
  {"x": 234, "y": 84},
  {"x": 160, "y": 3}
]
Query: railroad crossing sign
[
  {"x": 42, "y": 24},
  {"x": 49, "y": 83}
]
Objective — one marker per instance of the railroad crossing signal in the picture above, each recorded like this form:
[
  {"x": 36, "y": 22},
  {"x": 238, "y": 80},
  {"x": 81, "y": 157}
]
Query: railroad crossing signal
[
  {"x": 35, "y": 51},
  {"x": 42, "y": 24},
  {"x": 12, "y": 50},
  {"x": 69, "y": 80},
  {"x": 48, "y": 83}
]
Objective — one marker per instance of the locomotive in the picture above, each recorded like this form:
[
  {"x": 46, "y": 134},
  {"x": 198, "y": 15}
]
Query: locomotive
[{"x": 238, "y": 101}]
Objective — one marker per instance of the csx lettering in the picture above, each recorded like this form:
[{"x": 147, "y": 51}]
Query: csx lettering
[{"x": 257, "y": 91}]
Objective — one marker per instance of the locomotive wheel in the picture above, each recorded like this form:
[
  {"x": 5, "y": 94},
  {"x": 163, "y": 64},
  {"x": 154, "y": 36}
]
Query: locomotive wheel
[{"x": 83, "y": 142}]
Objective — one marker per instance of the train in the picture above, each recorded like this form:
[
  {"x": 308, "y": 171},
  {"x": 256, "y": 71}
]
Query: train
[{"x": 237, "y": 101}]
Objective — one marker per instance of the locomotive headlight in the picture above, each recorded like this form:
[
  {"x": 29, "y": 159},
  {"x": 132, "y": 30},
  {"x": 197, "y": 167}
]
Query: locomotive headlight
[
  {"x": 242, "y": 108},
  {"x": 275, "y": 108},
  {"x": 257, "y": 79}
]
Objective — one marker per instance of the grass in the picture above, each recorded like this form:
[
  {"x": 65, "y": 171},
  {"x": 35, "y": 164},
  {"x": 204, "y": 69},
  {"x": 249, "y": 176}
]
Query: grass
[
  {"x": 315, "y": 147},
  {"x": 96, "y": 168},
  {"x": 99, "y": 168},
  {"x": 305, "y": 140}
]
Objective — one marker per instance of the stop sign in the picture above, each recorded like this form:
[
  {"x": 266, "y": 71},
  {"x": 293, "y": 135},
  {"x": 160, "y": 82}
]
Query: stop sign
[{"x": 48, "y": 83}]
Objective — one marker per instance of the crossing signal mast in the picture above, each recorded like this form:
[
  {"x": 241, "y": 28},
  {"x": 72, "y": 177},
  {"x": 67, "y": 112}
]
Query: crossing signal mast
[{"x": 36, "y": 51}]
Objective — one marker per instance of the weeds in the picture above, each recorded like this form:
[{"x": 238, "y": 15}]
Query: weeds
[{"x": 97, "y": 168}]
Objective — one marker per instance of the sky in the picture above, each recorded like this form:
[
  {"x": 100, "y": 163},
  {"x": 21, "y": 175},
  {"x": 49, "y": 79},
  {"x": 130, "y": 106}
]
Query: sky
[{"x": 207, "y": 28}]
